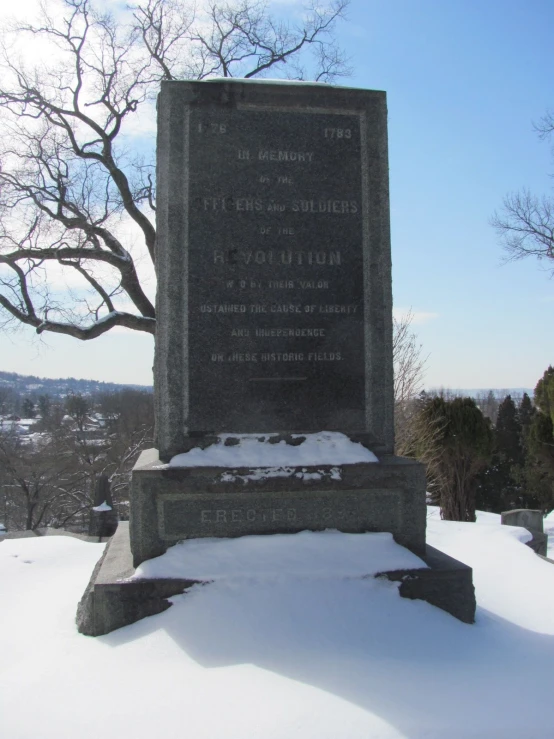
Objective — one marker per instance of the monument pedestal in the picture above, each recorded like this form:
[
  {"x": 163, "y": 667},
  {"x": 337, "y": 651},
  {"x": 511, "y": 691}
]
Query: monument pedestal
[
  {"x": 169, "y": 504},
  {"x": 273, "y": 318},
  {"x": 113, "y": 600}
]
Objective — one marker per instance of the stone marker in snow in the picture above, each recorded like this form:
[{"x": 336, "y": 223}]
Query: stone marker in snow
[
  {"x": 274, "y": 310},
  {"x": 273, "y": 371},
  {"x": 532, "y": 520},
  {"x": 103, "y": 517},
  {"x": 274, "y": 306},
  {"x": 528, "y": 519}
]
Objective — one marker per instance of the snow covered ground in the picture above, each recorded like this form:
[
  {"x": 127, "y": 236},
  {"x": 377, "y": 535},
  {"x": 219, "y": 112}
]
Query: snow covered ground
[{"x": 282, "y": 651}]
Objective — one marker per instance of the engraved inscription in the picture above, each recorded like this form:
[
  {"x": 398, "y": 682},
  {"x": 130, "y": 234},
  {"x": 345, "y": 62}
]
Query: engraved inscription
[
  {"x": 337, "y": 133},
  {"x": 285, "y": 257},
  {"x": 275, "y": 270},
  {"x": 205, "y": 127},
  {"x": 249, "y": 204},
  {"x": 196, "y": 515},
  {"x": 273, "y": 155},
  {"x": 250, "y": 515}
]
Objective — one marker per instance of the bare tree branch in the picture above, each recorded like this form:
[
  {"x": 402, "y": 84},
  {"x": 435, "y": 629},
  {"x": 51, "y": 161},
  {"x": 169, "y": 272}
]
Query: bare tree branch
[
  {"x": 409, "y": 366},
  {"x": 526, "y": 227},
  {"x": 239, "y": 39},
  {"x": 76, "y": 205}
]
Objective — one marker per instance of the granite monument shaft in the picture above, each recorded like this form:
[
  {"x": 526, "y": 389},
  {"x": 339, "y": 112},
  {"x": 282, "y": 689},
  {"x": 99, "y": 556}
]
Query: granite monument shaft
[{"x": 276, "y": 226}]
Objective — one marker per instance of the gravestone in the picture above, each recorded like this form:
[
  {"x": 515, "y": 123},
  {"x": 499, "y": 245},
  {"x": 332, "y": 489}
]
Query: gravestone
[
  {"x": 532, "y": 520},
  {"x": 274, "y": 312},
  {"x": 103, "y": 518},
  {"x": 527, "y": 518}
]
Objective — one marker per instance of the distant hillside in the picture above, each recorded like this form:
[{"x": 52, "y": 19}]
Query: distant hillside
[
  {"x": 487, "y": 399},
  {"x": 498, "y": 393},
  {"x": 32, "y": 386}
]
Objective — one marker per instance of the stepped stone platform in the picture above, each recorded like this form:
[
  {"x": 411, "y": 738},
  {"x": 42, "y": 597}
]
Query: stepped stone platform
[
  {"x": 273, "y": 319},
  {"x": 169, "y": 504},
  {"x": 112, "y": 600}
]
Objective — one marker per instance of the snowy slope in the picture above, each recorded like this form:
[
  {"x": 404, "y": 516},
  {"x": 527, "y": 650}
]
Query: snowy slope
[{"x": 312, "y": 654}]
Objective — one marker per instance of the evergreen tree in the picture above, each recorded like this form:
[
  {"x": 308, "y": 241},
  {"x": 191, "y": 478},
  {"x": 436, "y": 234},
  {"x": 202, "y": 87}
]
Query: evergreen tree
[
  {"x": 526, "y": 411},
  {"x": 457, "y": 447},
  {"x": 539, "y": 468},
  {"x": 544, "y": 393},
  {"x": 541, "y": 439},
  {"x": 500, "y": 485},
  {"x": 530, "y": 476},
  {"x": 508, "y": 432},
  {"x": 537, "y": 473},
  {"x": 541, "y": 430}
]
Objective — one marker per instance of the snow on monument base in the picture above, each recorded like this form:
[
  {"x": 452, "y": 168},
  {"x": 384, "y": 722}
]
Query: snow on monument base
[
  {"x": 172, "y": 503},
  {"x": 273, "y": 323},
  {"x": 199, "y": 506},
  {"x": 114, "y": 599}
]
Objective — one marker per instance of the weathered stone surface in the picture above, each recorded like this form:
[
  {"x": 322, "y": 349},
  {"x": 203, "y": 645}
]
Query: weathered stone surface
[
  {"x": 274, "y": 315},
  {"x": 175, "y": 503},
  {"x": 528, "y": 519},
  {"x": 112, "y": 601},
  {"x": 532, "y": 520},
  {"x": 273, "y": 261},
  {"x": 447, "y": 584},
  {"x": 539, "y": 543},
  {"x": 102, "y": 524}
]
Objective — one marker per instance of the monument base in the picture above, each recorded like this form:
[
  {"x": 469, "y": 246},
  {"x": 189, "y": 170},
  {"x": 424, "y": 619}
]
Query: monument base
[
  {"x": 447, "y": 584},
  {"x": 169, "y": 504},
  {"x": 111, "y": 600}
]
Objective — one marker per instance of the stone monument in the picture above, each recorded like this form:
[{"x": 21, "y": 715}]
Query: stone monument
[
  {"x": 273, "y": 260},
  {"x": 274, "y": 310},
  {"x": 274, "y": 319}
]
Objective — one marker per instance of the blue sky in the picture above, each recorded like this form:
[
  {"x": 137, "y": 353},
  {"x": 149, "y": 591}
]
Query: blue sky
[
  {"x": 465, "y": 79},
  {"x": 464, "y": 82}
]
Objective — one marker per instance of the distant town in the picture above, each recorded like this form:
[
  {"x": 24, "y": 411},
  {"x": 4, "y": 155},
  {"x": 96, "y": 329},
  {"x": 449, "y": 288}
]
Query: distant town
[{"x": 31, "y": 386}]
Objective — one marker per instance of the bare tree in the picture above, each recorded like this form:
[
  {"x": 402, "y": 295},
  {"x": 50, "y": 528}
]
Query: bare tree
[
  {"x": 409, "y": 365},
  {"x": 240, "y": 39},
  {"x": 422, "y": 440},
  {"x": 48, "y": 479},
  {"x": 42, "y": 484},
  {"x": 76, "y": 206},
  {"x": 129, "y": 416},
  {"x": 525, "y": 225}
]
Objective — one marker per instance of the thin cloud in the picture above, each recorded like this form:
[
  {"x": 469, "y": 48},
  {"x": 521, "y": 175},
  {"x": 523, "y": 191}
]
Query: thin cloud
[
  {"x": 418, "y": 317},
  {"x": 142, "y": 123}
]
